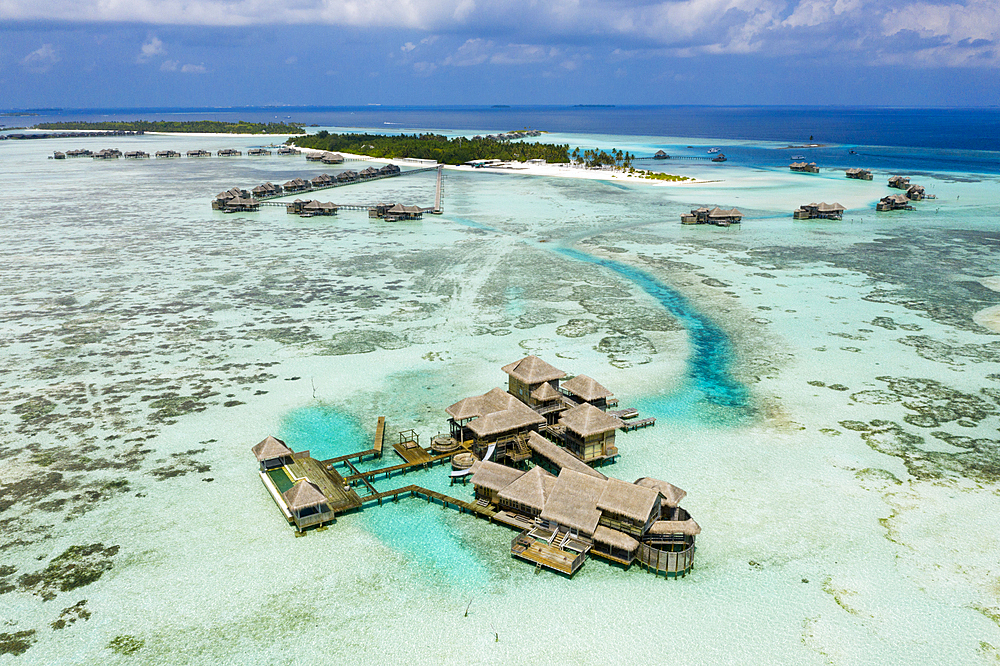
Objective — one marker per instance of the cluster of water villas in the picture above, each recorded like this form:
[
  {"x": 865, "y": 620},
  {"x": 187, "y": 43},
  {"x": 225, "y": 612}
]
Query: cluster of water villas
[
  {"x": 235, "y": 200},
  {"x": 579, "y": 512},
  {"x": 107, "y": 154},
  {"x": 496, "y": 425},
  {"x": 311, "y": 208},
  {"x": 913, "y": 192},
  {"x": 325, "y": 158},
  {"x": 859, "y": 174},
  {"x": 395, "y": 212},
  {"x": 804, "y": 167},
  {"x": 819, "y": 211},
  {"x": 720, "y": 217}
]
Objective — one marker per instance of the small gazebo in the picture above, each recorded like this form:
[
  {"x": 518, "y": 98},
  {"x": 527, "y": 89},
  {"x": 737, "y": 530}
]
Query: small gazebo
[
  {"x": 271, "y": 453},
  {"x": 307, "y": 504}
]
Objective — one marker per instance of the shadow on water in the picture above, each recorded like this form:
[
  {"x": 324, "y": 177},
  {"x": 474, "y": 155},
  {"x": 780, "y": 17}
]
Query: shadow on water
[{"x": 708, "y": 371}]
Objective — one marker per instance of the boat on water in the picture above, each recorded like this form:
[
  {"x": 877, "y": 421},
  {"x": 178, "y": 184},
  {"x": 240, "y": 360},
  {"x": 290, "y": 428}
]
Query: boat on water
[
  {"x": 798, "y": 157},
  {"x": 712, "y": 151}
]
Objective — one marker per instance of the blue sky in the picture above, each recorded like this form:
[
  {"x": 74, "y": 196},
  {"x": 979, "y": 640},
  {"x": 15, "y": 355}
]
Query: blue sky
[{"x": 124, "y": 53}]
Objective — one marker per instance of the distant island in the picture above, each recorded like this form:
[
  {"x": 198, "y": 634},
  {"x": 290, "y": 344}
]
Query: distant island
[
  {"x": 190, "y": 127},
  {"x": 434, "y": 147},
  {"x": 594, "y": 106}
]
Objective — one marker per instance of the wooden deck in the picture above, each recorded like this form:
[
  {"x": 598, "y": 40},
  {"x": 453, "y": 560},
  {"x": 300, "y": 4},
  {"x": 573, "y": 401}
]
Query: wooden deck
[
  {"x": 379, "y": 436},
  {"x": 635, "y": 425},
  {"x": 543, "y": 555},
  {"x": 413, "y": 455},
  {"x": 329, "y": 482}
]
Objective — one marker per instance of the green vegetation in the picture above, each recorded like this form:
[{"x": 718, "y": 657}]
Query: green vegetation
[
  {"x": 433, "y": 147},
  {"x": 656, "y": 175},
  {"x": 201, "y": 126},
  {"x": 17, "y": 643}
]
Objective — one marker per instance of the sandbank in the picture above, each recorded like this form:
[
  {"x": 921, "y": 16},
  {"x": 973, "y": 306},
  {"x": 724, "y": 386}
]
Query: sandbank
[
  {"x": 992, "y": 282},
  {"x": 988, "y": 318}
]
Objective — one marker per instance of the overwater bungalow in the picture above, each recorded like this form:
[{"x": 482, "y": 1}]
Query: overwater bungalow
[
  {"x": 308, "y": 493},
  {"x": 720, "y": 217},
  {"x": 389, "y": 170},
  {"x": 859, "y": 174},
  {"x": 229, "y": 152},
  {"x": 587, "y": 390},
  {"x": 719, "y": 158},
  {"x": 660, "y": 155},
  {"x": 136, "y": 155},
  {"x": 314, "y": 208},
  {"x": 198, "y": 153},
  {"x": 58, "y": 156},
  {"x": 399, "y": 212},
  {"x": 167, "y": 153},
  {"x": 495, "y": 425},
  {"x": 323, "y": 180},
  {"x": 915, "y": 193},
  {"x": 258, "y": 152},
  {"x": 289, "y": 150},
  {"x": 893, "y": 202},
  {"x": 347, "y": 176},
  {"x": 821, "y": 211},
  {"x": 588, "y": 433},
  {"x": 899, "y": 182},
  {"x": 804, "y": 167},
  {"x": 296, "y": 185},
  {"x": 571, "y": 515},
  {"x": 332, "y": 158},
  {"x": 107, "y": 154},
  {"x": 222, "y": 198},
  {"x": 314, "y": 156},
  {"x": 79, "y": 152},
  {"x": 241, "y": 205},
  {"x": 266, "y": 190},
  {"x": 370, "y": 172}
]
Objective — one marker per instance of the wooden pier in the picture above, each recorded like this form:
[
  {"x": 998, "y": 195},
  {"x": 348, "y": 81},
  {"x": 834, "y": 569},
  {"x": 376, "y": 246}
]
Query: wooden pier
[
  {"x": 356, "y": 181},
  {"x": 379, "y": 436},
  {"x": 635, "y": 425}
]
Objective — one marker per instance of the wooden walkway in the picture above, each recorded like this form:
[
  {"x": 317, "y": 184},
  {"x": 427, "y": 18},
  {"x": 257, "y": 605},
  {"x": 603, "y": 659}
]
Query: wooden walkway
[
  {"x": 379, "y": 436},
  {"x": 635, "y": 425},
  {"x": 344, "y": 183},
  {"x": 329, "y": 482},
  {"x": 413, "y": 455}
]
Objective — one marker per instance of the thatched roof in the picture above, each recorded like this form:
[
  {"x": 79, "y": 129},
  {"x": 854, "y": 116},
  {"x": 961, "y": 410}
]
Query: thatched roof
[
  {"x": 586, "y": 388},
  {"x": 517, "y": 416},
  {"x": 494, "y": 476},
  {"x": 573, "y": 501},
  {"x": 724, "y": 213},
  {"x": 303, "y": 495},
  {"x": 530, "y": 489},
  {"x": 270, "y": 448},
  {"x": 672, "y": 495},
  {"x": 494, "y": 400},
  {"x": 627, "y": 499},
  {"x": 830, "y": 208},
  {"x": 559, "y": 456},
  {"x": 615, "y": 539},
  {"x": 533, "y": 370},
  {"x": 586, "y": 420},
  {"x": 688, "y": 527},
  {"x": 545, "y": 392}
]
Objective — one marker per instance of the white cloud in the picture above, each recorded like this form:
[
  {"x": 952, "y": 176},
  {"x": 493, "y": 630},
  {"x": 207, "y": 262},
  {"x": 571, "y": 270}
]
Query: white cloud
[
  {"x": 41, "y": 59},
  {"x": 169, "y": 66},
  {"x": 946, "y": 31},
  {"x": 151, "y": 47},
  {"x": 176, "y": 66},
  {"x": 291, "y": 60},
  {"x": 193, "y": 69}
]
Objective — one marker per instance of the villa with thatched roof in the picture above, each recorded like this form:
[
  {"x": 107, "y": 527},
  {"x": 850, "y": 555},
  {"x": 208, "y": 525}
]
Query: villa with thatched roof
[
  {"x": 370, "y": 172},
  {"x": 258, "y": 152},
  {"x": 136, "y": 155},
  {"x": 823, "y": 211},
  {"x": 494, "y": 420},
  {"x": 296, "y": 185},
  {"x": 167, "y": 153},
  {"x": 347, "y": 176},
  {"x": 587, "y": 390},
  {"x": 527, "y": 376},
  {"x": 229, "y": 152},
  {"x": 660, "y": 155},
  {"x": 589, "y": 433},
  {"x": 389, "y": 170},
  {"x": 804, "y": 167},
  {"x": 272, "y": 452},
  {"x": 899, "y": 182},
  {"x": 573, "y": 514},
  {"x": 288, "y": 150},
  {"x": 720, "y": 217},
  {"x": 332, "y": 158},
  {"x": 323, "y": 180},
  {"x": 893, "y": 202},
  {"x": 915, "y": 193},
  {"x": 308, "y": 492},
  {"x": 198, "y": 153},
  {"x": 859, "y": 174}
]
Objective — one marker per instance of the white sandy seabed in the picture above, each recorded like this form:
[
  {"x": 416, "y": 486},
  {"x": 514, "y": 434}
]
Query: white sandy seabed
[{"x": 838, "y": 527}]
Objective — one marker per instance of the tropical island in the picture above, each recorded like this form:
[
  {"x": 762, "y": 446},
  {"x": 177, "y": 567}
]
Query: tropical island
[
  {"x": 189, "y": 126},
  {"x": 433, "y": 147}
]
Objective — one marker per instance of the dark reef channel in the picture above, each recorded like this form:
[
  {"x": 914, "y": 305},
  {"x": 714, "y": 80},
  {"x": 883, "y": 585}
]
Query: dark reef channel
[{"x": 708, "y": 368}]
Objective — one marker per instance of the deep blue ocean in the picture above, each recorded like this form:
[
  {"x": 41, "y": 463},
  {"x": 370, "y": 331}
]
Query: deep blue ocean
[{"x": 975, "y": 129}]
